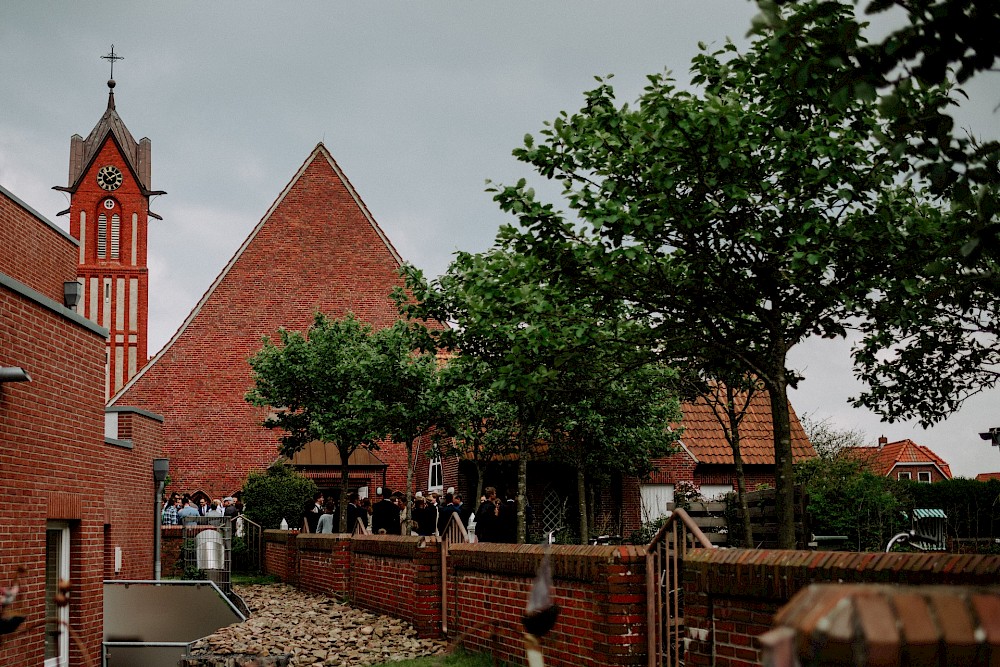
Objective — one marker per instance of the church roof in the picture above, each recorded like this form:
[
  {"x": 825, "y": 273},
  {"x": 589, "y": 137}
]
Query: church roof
[
  {"x": 883, "y": 459},
  {"x": 83, "y": 151},
  {"x": 705, "y": 439},
  {"x": 317, "y": 248}
]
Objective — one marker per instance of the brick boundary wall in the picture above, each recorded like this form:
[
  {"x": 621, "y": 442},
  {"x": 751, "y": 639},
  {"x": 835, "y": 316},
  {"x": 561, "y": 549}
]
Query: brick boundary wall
[
  {"x": 324, "y": 563},
  {"x": 601, "y": 592},
  {"x": 399, "y": 576},
  {"x": 732, "y": 595}
]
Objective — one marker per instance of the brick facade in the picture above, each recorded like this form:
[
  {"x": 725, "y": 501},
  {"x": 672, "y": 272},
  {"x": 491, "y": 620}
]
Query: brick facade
[
  {"x": 55, "y": 464},
  {"x": 316, "y": 249}
]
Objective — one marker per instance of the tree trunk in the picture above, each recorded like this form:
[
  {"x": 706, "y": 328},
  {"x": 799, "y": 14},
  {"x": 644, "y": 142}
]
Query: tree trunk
[
  {"x": 345, "y": 473},
  {"x": 581, "y": 493},
  {"x": 741, "y": 493},
  {"x": 784, "y": 484},
  {"x": 522, "y": 493},
  {"x": 408, "y": 512}
]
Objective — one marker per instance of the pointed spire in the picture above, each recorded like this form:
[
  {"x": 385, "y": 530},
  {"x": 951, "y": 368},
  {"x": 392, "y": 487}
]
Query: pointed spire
[{"x": 111, "y": 94}]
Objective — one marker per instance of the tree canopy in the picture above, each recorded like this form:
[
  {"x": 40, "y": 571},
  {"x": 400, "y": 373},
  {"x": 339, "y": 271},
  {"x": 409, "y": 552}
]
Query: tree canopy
[{"x": 733, "y": 222}]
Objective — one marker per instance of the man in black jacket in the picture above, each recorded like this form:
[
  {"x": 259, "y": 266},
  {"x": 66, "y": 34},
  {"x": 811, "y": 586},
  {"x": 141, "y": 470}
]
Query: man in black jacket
[{"x": 385, "y": 515}]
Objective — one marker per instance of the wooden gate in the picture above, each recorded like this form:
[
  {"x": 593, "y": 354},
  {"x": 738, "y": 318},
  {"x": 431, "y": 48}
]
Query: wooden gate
[
  {"x": 454, "y": 532},
  {"x": 664, "y": 599}
]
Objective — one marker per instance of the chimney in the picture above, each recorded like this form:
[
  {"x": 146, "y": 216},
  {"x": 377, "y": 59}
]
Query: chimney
[{"x": 882, "y": 441}]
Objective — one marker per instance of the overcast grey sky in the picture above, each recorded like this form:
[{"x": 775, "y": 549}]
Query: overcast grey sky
[{"x": 419, "y": 102}]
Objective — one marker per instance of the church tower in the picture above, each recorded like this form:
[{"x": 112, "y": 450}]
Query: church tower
[{"x": 109, "y": 187}]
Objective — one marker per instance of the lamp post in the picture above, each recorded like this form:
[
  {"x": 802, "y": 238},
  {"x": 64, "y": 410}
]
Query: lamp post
[{"x": 160, "y": 469}]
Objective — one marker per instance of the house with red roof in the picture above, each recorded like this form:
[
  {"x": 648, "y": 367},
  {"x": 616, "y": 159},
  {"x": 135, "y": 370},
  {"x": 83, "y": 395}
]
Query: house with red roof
[
  {"x": 903, "y": 459},
  {"x": 987, "y": 476},
  {"x": 706, "y": 457}
]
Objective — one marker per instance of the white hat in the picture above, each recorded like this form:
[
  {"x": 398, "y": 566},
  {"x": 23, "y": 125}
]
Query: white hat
[{"x": 419, "y": 494}]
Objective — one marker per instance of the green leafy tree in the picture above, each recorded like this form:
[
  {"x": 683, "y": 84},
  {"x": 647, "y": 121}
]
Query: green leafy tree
[
  {"x": 740, "y": 220},
  {"x": 324, "y": 385},
  {"x": 474, "y": 422},
  {"x": 409, "y": 392},
  {"x": 540, "y": 353},
  {"x": 933, "y": 340},
  {"x": 275, "y": 494}
]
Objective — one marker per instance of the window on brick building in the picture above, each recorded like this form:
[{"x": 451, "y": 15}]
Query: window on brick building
[
  {"x": 924, "y": 477},
  {"x": 435, "y": 475},
  {"x": 903, "y": 475},
  {"x": 102, "y": 236},
  {"x": 116, "y": 232},
  {"x": 57, "y": 558}
]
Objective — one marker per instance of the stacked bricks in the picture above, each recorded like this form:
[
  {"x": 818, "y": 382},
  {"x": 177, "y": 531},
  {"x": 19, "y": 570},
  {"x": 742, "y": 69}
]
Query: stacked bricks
[{"x": 731, "y": 596}]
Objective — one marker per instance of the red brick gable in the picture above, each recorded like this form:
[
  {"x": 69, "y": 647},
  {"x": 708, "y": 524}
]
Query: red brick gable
[
  {"x": 705, "y": 439},
  {"x": 317, "y": 249},
  {"x": 883, "y": 460}
]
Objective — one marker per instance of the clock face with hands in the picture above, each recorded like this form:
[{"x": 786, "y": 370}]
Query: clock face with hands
[{"x": 109, "y": 177}]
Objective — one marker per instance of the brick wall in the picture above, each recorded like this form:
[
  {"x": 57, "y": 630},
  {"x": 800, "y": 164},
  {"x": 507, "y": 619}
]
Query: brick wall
[
  {"x": 130, "y": 493},
  {"x": 731, "y": 596},
  {"x": 601, "y": 590},
  {"x": 54, "y": 462},
  {"x": 400, "y": 576},
  {"x": 324, "y": 563}
]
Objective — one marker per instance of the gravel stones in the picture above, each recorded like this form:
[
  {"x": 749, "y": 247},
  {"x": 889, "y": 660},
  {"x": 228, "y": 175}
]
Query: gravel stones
[{"x": 314, "y": 630}]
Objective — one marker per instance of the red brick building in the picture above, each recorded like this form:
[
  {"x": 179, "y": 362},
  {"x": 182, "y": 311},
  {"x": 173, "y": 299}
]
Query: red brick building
[
  {"x": 903, "y": 459},
  {"x": 109, "y": 186},
  {"x": 317, "y": 248},
  {"x": 76, "y": 500}
]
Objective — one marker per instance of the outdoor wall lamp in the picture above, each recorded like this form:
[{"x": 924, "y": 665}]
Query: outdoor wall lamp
[
  {"x": 72, "y": 290},
  {"x": 993, "y": 436},
  {"x": 14, "y": 374}
]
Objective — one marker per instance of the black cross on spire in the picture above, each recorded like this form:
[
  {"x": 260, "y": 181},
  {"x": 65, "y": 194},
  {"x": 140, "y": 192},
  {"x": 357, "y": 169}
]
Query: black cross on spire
[{"x": 111, "y": 57}]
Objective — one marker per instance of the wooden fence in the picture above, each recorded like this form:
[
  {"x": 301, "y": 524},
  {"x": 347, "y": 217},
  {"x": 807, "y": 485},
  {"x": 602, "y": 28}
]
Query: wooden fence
[{"x": 720, "y": 520}]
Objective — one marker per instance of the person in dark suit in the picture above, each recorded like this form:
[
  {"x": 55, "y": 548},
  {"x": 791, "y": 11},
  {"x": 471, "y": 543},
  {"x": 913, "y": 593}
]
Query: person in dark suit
[
  {"x": 312, "y": 512},
  {"x": 488, "y": 518},
  {"x": 385, "y": 515},
  {"x": 355, "y": 512},
  {"x": 507, "y": 521}
]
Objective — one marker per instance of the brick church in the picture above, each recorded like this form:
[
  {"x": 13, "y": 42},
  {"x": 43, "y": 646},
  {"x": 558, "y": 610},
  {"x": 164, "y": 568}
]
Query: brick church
[{"x": 317, "y": 248}]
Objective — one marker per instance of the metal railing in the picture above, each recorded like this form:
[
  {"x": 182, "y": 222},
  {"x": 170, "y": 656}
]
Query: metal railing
[
  {"x": 664, "y": 601},
  {"x": 454, "y": 532},
  {"x": 249, "y": 558}
]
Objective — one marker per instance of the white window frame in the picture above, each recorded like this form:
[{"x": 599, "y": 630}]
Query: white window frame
[
  {"x": 924, "y": 477},
  {"x": 61, "y": 528},
  {"x": 901, "y": 475},
  {"x": 433, "y": 467}
]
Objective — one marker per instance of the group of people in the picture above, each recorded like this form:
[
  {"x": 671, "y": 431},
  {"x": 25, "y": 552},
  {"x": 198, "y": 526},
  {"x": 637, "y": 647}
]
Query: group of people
[
  {"x": 494, "y": 521},
  {"x": 323, "y": 516},
  {"x": 179, "y": 508}
]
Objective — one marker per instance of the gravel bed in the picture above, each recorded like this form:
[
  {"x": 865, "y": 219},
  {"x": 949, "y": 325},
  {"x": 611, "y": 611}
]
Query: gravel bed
[{"x": 315, "y": 630}]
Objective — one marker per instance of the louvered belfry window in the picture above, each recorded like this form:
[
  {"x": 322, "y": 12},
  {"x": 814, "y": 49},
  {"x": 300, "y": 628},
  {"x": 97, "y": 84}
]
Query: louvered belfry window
[
  {"x": 116, "y": 225},
  {"x": 102, "y": 236}
]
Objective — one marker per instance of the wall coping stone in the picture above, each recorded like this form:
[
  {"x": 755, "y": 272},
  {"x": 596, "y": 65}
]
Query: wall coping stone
[
  {"x": 778, "y": 574},
  {"x": 393, "y": 546},
  {"x": 321, "y": 541},
  {"x": 568, "y": 561}
]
